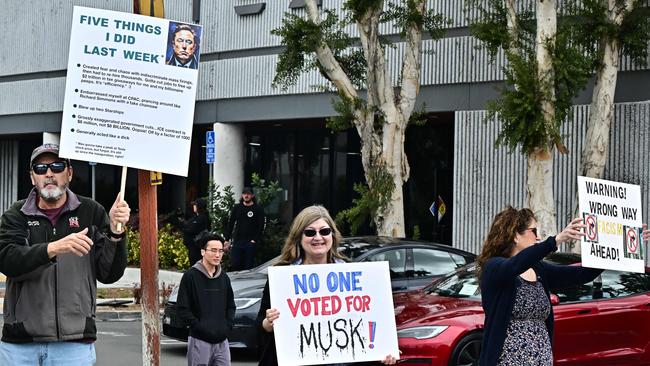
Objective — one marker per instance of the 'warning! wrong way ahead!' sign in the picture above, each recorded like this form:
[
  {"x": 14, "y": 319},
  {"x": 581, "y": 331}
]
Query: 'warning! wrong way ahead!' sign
[{"x": 612, "y": 213}]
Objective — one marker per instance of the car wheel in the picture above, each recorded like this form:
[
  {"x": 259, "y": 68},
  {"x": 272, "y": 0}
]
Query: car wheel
[{"x": 467, "y": 351}]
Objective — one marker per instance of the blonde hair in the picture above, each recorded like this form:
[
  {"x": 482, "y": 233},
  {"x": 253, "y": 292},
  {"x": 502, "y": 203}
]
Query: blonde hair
[{"x": 291, "y": 250}]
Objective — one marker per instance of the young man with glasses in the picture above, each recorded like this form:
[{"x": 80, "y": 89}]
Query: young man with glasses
[
  {"x": 54, "y": 247},
  {"x": 206, "y": 304}
]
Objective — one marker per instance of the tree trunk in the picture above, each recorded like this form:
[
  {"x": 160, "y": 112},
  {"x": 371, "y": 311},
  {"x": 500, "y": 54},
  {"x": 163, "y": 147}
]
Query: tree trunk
[
  {"x": 601, "y": 112},
  {"x": 540, "y": 162},
  {"x": 595, "y": 150},
  {"x": 539, "y": 191}
]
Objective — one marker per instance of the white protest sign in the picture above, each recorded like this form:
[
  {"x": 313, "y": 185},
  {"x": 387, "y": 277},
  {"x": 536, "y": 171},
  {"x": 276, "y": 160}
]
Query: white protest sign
[
  {"x": 333, "y": 313},
  {"x": 124, "y": 104},
  {"x": 612, "y": 213}
]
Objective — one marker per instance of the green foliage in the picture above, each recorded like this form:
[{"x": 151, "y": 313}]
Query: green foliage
[
  {"x": 519, "y": 108},
  {"x": 302, "y": 37},
  {"x": 172, "y": 254},
  {"x": 372, "y": 199},
  {"x": 416, "y": 232},
  {"x": 419, "y": 117},
  {"x": 274, "y": 232},
  {"x": 359, "y": 8},
  {"x": 520, "y": 104},
  {"x": 405, "y": 14},
  {"x": 220, "y": 202},
  {"x": 345, "y": 117},
  {"x": 133, "y": 247},
  {"x": 594, "y": 28},
  {"x": 265, "y": 192}
]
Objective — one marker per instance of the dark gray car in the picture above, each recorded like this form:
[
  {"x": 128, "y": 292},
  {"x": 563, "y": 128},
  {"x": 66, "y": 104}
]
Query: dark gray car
[{"x": 413, "y": 264}]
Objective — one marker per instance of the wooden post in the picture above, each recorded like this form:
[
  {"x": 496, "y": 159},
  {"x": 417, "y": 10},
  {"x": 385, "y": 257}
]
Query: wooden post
[{"x": 148, "y": 203}]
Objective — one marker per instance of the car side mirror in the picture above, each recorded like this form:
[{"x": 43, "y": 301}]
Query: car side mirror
[{"x": 555, "y": 300}]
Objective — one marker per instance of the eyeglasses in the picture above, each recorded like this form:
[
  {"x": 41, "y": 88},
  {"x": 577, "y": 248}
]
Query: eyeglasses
[
  {"x": 533, "y": 229},
  {"x": 188, "y": 41},
  {"x": 215, "y": 251},
  {"x": 55, "y": 167},
  {"x": 310, "y": 233}
]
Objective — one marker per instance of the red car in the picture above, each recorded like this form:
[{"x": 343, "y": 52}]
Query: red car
[{"x": 604, "y": 322}]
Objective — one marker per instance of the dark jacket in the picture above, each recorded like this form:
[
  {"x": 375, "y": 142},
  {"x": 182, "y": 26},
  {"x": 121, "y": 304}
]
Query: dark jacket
[
  {"x": 498, "y": 288},
  {"x": 246, "y": 223},
  {"x": 54, "y": 300},
  {"x": 191, "y": 228},
  {"x": 206, "y": 304}
]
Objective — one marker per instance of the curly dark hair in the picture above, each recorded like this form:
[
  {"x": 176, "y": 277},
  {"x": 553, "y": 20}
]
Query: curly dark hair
[{"x": 501, "y": 239}]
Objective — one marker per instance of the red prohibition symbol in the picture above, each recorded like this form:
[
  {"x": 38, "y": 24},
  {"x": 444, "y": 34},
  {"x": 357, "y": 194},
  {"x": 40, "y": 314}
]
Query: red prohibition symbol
[
  {"x": 591, "y": 228},
  {"x": 631, "y": 240}
]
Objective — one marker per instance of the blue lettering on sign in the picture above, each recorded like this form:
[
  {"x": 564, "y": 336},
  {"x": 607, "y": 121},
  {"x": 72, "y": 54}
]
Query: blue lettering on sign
[
  {"x": 301, "y": 283},
  {"x": 343, "y": 281}
]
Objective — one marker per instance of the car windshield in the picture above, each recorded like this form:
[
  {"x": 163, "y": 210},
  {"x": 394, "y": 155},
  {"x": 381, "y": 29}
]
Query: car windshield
[{"x": 460, "y": 284}]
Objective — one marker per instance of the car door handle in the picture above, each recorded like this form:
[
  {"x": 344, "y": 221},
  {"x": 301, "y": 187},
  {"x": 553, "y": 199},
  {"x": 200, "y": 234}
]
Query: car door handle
[{"x": 584, "y": 311}]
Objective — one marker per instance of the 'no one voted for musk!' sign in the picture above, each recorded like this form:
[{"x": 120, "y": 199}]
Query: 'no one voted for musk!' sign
[
  {"x": 333, "y": 313},
  {"x": 130, "y": 90},
  {"x": 613, "y": 236}
]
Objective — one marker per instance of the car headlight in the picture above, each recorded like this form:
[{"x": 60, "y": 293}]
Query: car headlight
[
  {"x": 246, "y": 302},
  {"x": 421, "y": 332}
]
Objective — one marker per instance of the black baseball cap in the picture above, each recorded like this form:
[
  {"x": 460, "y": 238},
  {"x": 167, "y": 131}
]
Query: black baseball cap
[
  {"x": 46, "y": 149},
  {"x": 247, "y": 190}
]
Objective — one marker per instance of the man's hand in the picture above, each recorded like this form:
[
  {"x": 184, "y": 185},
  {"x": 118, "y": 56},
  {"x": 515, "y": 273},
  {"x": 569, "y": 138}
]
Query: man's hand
[
  {"x": 75, "y": 243},
  {"x": 646, "y": 232},
  {"x": 119, "y": 213}
]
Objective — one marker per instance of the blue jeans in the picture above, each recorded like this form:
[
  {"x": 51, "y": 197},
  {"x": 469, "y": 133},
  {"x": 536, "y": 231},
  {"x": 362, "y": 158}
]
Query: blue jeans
[
  {"x": 47, "y": 354},
  {"x": 242, "y": 255}
]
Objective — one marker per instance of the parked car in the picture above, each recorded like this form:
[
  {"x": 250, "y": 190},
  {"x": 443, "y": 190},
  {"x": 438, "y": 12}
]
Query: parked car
[
  {"x": 413, "y": 264},
  {"x": 604, "y": 322}
]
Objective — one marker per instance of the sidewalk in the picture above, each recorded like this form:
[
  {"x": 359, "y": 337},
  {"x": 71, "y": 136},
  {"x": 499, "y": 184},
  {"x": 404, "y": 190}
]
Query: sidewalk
[{"x": 129, "y": 279}]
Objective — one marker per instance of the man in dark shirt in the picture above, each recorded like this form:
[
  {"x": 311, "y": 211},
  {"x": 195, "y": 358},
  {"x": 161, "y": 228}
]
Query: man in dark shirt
[
  {"x": 245, "y": 228},
  {"x": 206, "y": 303}
]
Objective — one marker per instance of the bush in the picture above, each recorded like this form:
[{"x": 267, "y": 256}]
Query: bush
[{"x": 172, "y": 254}]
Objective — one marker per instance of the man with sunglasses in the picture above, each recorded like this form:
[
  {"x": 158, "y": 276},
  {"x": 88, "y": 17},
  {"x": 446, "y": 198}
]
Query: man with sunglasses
[
  {"x": 207, "y": 305},
  {"x": 245, "y": 228},
  {"x": 54, "y": 247}
]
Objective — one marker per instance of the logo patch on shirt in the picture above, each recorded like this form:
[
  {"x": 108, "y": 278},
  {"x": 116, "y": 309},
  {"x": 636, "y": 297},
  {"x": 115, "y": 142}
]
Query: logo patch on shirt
[
  {"x": 249, "y": 214},
  {"x": 73, "y": 221},
  {"x": 32, "y": 223}
]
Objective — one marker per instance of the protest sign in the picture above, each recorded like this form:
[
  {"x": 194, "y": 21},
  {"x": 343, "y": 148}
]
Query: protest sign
[
  {"x": 613, "y": 236},
  {"x": 333, "y": 313},
  {"x": 130, "y": 90}
]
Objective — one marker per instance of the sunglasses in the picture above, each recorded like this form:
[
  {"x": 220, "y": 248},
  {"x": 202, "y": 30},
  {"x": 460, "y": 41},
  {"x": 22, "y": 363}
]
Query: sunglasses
[
  {"x": 533, "y": 229},
  {"x": 55, "y": 167},
  {"x": 310, "y": 233}
]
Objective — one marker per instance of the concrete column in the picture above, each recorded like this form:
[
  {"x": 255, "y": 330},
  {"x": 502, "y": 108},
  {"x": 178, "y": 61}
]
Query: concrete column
[{"x": 230, "y": 156}]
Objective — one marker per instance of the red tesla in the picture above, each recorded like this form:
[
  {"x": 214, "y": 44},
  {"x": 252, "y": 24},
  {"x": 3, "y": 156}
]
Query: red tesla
[{"x": 604, "y": 322}]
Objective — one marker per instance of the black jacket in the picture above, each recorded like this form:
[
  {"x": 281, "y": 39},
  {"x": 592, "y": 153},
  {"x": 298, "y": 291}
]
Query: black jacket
[
  {"x": 498, "y": 290},
  {"x": 191, "y": 228},
  {"x": 54, "y": 300},
  {"x": 206, "y": 304},
  {"x": 246, "y": 223}
]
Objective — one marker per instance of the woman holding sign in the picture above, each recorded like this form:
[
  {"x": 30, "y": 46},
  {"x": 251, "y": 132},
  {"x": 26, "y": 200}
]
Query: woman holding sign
[
  {"x": 312, "y": 239},
  {"x": 515, "y": 286}
]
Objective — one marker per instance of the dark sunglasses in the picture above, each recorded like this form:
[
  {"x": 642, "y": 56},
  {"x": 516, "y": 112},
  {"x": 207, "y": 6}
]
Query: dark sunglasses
[
  {"x": 55, "y": 167},
  {"x": 310, "y": 233},
  {"x": 533, "y": 229}
]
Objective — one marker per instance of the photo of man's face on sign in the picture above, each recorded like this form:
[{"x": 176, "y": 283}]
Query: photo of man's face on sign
[{"x": 183, "y": 45}]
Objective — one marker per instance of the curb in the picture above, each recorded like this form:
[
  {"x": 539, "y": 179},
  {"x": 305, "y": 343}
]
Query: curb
[{"x": 114, "y": 316}]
